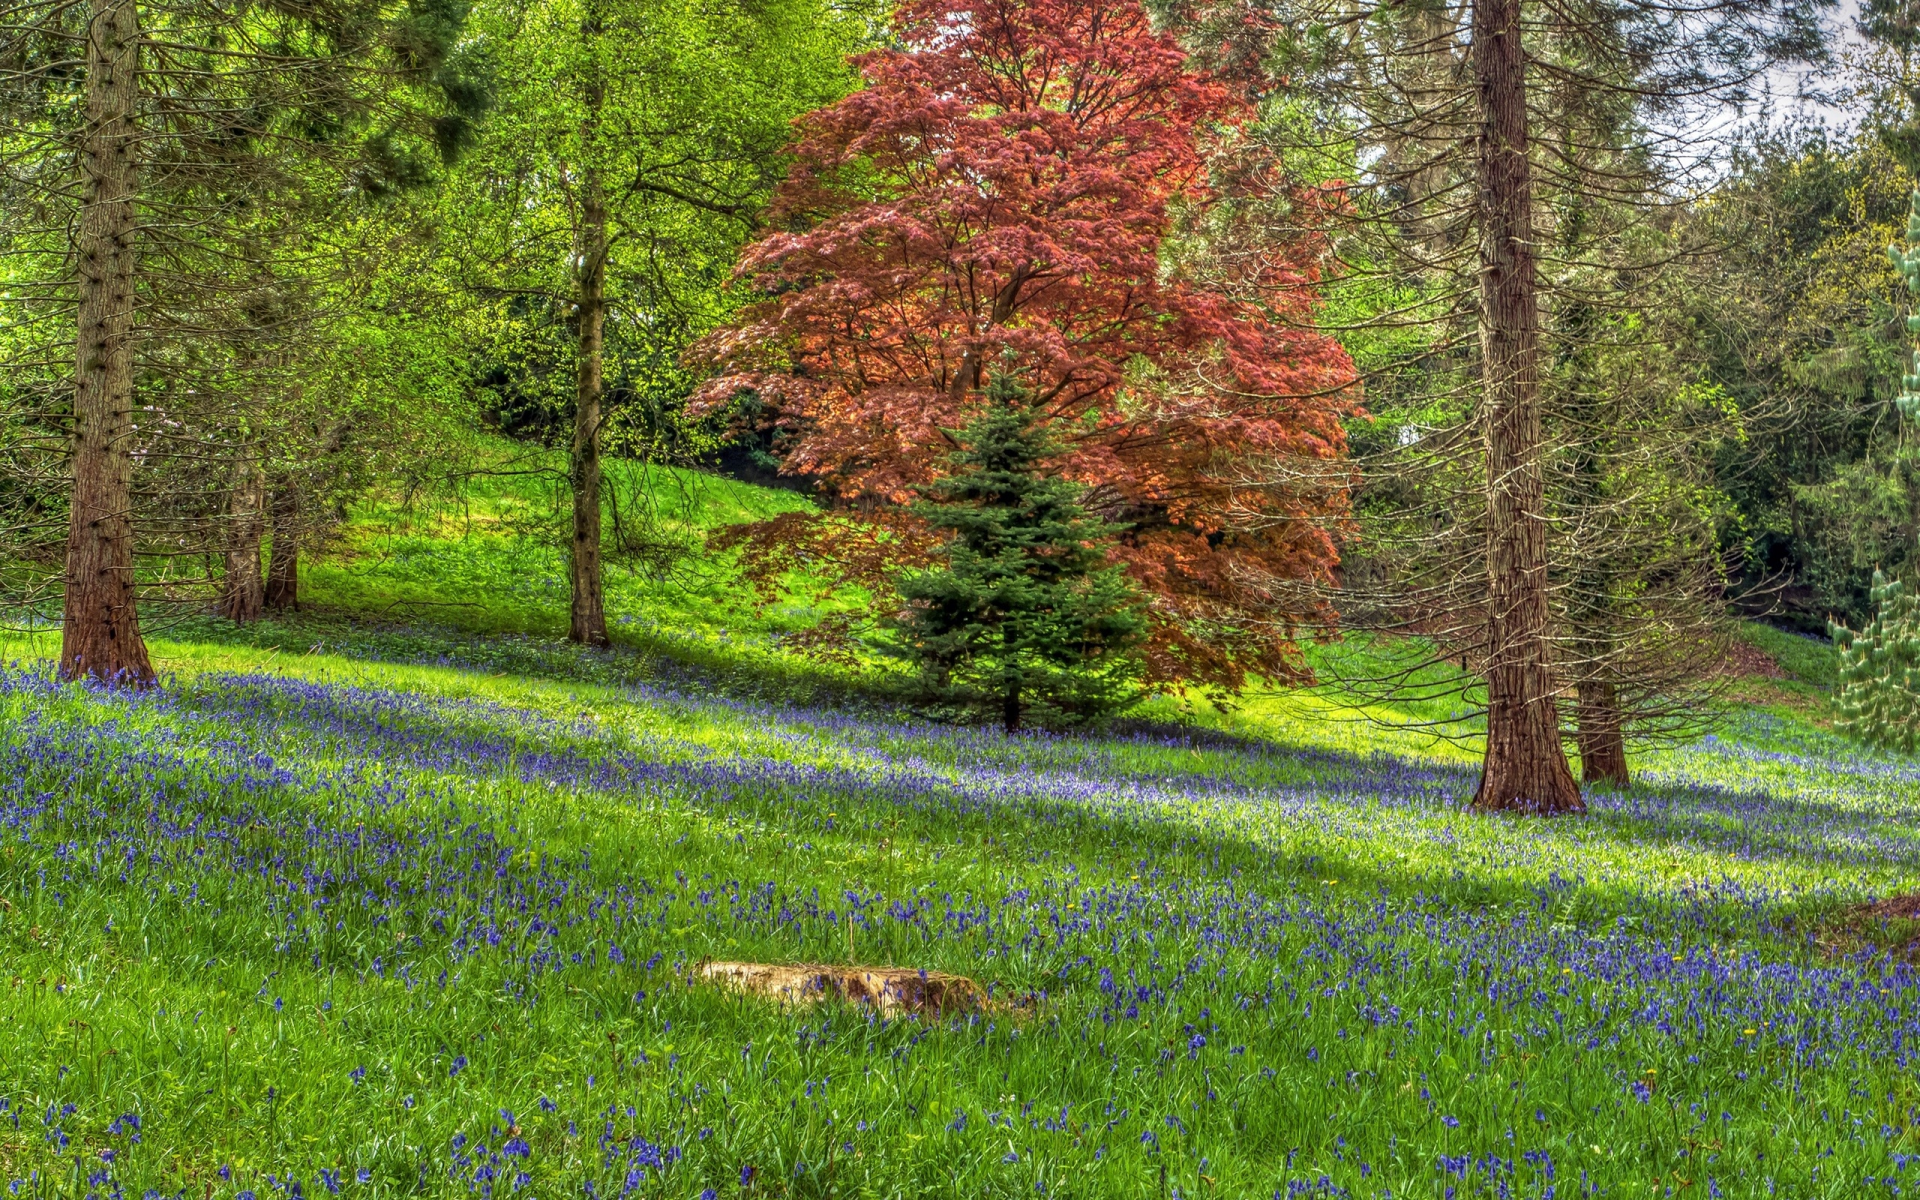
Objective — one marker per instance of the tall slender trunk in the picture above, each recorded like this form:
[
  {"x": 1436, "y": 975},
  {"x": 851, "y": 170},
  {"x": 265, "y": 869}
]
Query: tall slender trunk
[
  {"x": 101, "y": 632},
  {"x": 243, "y": 595},
  {"x": 1601, "y": 736},
  {"x": 1525, "y": 767},
  {"x": 1591, "y": 614},
  {"x": 283, "y": 560},
  {"x": 1428, "y": 71},
  {"x": 588, "y": 624}
]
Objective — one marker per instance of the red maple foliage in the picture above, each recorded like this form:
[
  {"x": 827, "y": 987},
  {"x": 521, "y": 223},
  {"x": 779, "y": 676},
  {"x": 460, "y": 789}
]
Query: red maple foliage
[{"x": 1001, "y": 196}]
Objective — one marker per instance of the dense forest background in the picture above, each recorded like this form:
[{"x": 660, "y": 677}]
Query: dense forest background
[{"x": 1821, "y": 484}]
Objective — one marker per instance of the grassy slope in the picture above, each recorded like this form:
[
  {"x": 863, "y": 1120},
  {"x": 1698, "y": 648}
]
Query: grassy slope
[
  {"x": 1809, "y": 661},
  {"x": 491, "y": 562},
  {"x": 1266, "y": 961}
]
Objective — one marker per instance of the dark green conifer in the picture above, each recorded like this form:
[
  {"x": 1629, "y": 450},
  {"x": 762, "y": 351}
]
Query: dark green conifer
[{"x": 1022, "y": 618}]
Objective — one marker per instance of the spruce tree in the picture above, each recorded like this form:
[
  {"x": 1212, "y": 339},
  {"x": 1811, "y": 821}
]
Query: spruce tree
[
  {"x": 1476, "y": 138},
  {"x": 1022, "y": 617}
]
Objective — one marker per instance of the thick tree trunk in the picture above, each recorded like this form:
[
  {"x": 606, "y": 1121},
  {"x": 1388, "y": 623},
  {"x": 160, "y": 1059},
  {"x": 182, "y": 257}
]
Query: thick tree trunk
[
  {"x": 1601, "y": 736},
  {"x": 1525, "y": 767},
  {"x": 588, "y": 624},
  {"x": 283, "y": 560},
  {"x": 101, "y": 632},
  {"x": 243, "y": 595}
]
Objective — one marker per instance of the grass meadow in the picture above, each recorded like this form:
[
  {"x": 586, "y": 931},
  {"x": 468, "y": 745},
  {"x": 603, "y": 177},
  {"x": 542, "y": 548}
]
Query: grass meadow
[{"x": 403, "y": 896}]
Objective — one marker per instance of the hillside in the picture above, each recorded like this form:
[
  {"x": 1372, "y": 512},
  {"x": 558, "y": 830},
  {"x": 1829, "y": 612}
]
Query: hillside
[
  {"x": 479, "y": 574},
  {"x": 402, "y": 907}
]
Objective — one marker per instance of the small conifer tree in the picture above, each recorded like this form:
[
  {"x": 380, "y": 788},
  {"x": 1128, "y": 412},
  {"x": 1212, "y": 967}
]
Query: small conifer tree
[
  {"x": 1022, "y": 617},
  {"x": 1879, "y": 694}
]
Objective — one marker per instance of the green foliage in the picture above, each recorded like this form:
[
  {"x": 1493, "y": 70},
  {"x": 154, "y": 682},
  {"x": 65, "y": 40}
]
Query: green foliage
[
  {"x": 287, "y": 153},
  {"x": 1859, "y": 517},
  {"x": 1892, "y": 89},
  {"x": 525, "y": 383},
  {"x": 684, "y": 112},
  {"x": 1879, "y": 700},
  {"x": 1907, "y": 262},
  {"x": 1024, "y": 617},
  {"x": 1799, "y": 317}
]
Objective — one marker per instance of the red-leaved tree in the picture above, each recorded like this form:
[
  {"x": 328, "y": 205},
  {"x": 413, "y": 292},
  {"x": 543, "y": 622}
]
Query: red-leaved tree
[{"x": 1001, "y": 196}]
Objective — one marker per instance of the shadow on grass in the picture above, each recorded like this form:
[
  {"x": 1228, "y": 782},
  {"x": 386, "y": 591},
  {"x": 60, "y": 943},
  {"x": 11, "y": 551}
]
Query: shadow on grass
[
  {"x": 637, "y": 659},
  {"x": 1056, "y": 792},
  {"x": 1140, "y": 817}
]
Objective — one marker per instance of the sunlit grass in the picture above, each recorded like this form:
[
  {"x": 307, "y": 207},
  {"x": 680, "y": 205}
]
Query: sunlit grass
[
  {"x": 398, "y": 908},
  {"x": 1359, "y": 959}
]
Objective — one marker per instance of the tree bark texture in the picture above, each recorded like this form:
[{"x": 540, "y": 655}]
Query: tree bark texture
[
  {"x": 1601, "y": 736},
  {"x": 283, "y": 560},
  {"x": 588, "y": 624},
  {"x": 1525, "y": 768},
  {"x": 100, "y": 634},
  {"x": 243, "y": 592}
]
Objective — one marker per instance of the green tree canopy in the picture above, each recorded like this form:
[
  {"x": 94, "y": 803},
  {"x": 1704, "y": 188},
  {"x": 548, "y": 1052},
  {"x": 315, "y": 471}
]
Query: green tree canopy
[{"x": 599, "y": 216}]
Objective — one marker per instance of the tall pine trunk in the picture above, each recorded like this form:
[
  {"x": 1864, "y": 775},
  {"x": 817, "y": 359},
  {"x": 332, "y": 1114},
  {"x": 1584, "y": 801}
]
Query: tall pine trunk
[
  {"x": 243, "y": 594},
  {"x": 101, "y": 632},
  {"x": 1601, "y": 736},
  {"x": 588, "y": 623},
  {"x": 283, "y": 560},
  {"x": 1525, "y": 767}
]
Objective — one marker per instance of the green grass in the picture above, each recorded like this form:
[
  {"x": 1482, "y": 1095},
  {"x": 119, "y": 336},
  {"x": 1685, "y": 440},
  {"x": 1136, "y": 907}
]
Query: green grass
[
  {"x": 489, "y": 558},
  {"x": 1808, "y": 660},
  {"x": 407, "y": 579},
  {"x": 350, "y": 886},
  {"x": 480, "y": 573}
]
